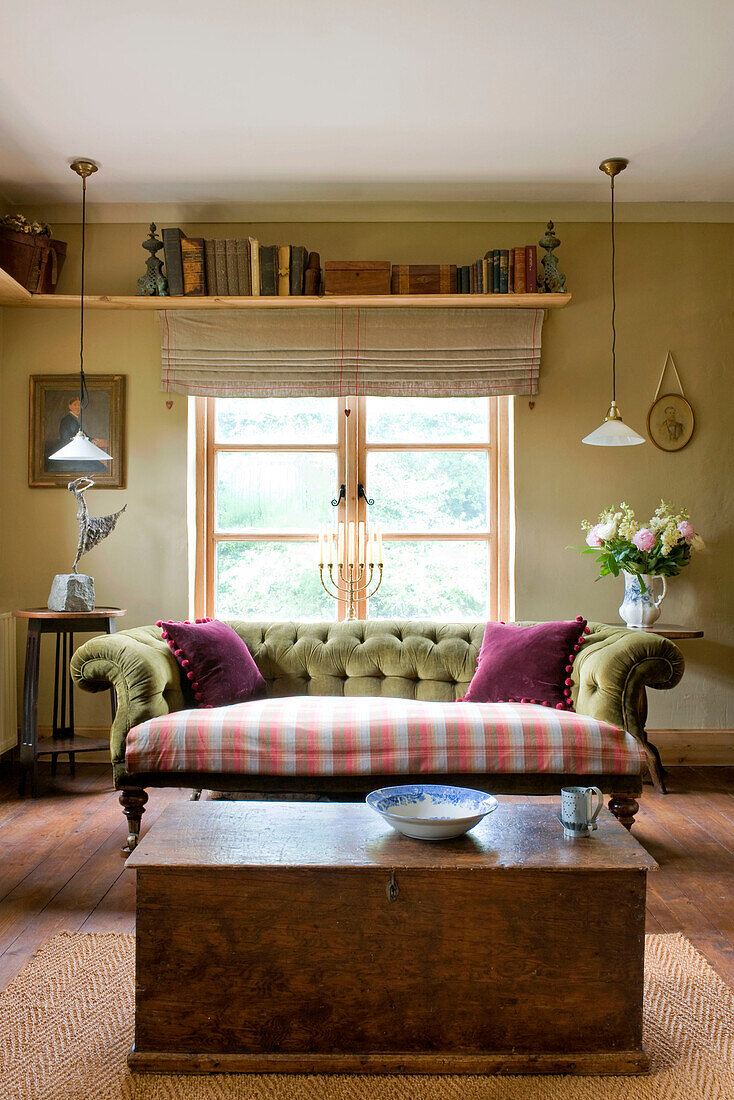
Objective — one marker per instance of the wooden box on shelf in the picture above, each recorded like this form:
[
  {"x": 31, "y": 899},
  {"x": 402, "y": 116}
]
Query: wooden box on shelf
[
  {"x": 33, "y": 260},
  {"x": 353, "y": 277}
]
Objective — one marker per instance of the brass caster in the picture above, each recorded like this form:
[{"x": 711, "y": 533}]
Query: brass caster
[{"x": 132, "y": 843}]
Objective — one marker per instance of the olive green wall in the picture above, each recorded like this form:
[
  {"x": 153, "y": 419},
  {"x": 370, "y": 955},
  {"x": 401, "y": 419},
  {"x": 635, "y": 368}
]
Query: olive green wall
[{"x": 676, "y": 290}]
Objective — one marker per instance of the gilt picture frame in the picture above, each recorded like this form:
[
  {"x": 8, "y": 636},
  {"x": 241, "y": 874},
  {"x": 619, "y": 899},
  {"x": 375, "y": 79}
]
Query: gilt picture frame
[
  {"x": 54, "y": 420},
  {"x": 670, "y": 422}
]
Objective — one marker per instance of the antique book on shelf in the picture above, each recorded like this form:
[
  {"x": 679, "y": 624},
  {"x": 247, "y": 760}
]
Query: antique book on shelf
[
  {"x": 312, "y": 274},
  {"x": 480, "y": 280},
  {"x": 495, "y": 270},
  {"x": 486, "y": 280},
  {"x": 243, "y": 267},
  {"x": 424, "y": 278},
  {"x": 519, "y": 282},
  {"x": 357, "y": 277},
  {"x": 269, "y": 269},
  {"x": 511, "y": 270},
  {"x": 531, "y": 269},
  {"x": 254, "y": 250},
  {"x": 299, "y": 259},
  {"x": 192, "y": 262},
  {"x": 174, "y": 263},
  {"x": 465, "y": 279},
  {"x": 230, "y": 256},
  {"x": 210, "y": 267},
  {"x": 220, "y": 266},
  {"x": 472, "y": 278},
  {"x": 284, "y": 270},
  {"x": 504, "y": 270}
]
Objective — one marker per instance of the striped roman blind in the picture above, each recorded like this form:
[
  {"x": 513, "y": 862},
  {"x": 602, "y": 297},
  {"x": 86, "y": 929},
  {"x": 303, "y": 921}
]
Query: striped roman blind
[{"x": 353, "y": 350}]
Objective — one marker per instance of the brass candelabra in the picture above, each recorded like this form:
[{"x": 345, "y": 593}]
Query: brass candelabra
[
  {"x": 350, "y": 565},
  {"x": 352, "y": 582}
]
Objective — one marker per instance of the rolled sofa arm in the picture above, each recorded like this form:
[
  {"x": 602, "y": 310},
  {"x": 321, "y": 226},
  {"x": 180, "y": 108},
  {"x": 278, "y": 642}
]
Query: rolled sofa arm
[
  {"x": 613, "y": 669},
  {"x": 143, "y": 672}
]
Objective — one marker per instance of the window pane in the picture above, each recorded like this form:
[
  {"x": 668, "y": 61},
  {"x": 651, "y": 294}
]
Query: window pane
[
  {"x": 433, "y": 580},
  {"x": 427, "y": 420},
  {"x": 281, "y": 491},
  {"x": 270, "y": 580},
  {"x": 275, "y": 420},
  {"x": 429, "y": 490}
]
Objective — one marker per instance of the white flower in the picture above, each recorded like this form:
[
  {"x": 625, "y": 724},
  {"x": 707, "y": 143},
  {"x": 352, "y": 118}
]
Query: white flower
[
  {"x": 697, "y": 543},
  {"x": 606, "y": 531}
]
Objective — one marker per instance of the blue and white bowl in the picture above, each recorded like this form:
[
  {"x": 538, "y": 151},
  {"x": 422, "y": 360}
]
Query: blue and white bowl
[{"x": 430, "y": 811}]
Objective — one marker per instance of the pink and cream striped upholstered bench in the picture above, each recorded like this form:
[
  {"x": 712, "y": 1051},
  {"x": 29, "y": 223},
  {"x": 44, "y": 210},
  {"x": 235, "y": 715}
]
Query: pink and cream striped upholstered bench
[{"x": 312, "y": 736}]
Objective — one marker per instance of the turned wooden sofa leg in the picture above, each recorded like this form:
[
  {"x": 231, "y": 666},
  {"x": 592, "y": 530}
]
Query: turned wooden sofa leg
[
  {"x": 624, "y": 807},
  {"x": 132, "y": 800}
]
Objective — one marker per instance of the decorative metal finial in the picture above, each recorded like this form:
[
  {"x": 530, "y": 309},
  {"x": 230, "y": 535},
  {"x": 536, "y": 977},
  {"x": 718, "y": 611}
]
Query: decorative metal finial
[
  {"x": 154, "y": 282},
  {"x": 551, "y": 281}
]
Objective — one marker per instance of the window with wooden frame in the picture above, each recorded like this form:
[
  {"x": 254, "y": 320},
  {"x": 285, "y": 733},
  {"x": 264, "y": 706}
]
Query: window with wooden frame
[{"x": 435, "y": 473}]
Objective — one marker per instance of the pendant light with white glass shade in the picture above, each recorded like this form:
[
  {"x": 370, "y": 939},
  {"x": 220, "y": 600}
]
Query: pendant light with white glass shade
[
  {"x": 81, "y": 448},
  {"x": 613, "y": 432}
]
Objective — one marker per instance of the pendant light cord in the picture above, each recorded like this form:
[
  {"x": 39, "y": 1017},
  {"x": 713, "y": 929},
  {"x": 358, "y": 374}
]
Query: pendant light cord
[
  {"x": 83, "y": 391},
  {"x": 614, "y": 310}
]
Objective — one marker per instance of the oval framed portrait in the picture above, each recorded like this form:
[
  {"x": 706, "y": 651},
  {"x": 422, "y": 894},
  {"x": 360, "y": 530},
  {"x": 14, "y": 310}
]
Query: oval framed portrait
[{"x": 670, "y": 422}]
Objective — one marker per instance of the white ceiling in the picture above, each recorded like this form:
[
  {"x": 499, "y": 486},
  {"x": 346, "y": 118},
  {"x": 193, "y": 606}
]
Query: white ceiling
[{"x": 343, "y": 100}]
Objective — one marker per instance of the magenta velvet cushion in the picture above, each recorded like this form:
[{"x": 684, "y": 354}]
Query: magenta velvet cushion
[
  {"x": 215, "y": 661},
  {"x": 527, "y": 664}
]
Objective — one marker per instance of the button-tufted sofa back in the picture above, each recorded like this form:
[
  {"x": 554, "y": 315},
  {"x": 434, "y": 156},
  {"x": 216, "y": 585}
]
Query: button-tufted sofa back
[{"x": 404, "y": 660}]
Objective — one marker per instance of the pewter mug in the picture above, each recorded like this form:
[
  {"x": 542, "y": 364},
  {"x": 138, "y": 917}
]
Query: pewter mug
[{"x": 578, "y": 815}]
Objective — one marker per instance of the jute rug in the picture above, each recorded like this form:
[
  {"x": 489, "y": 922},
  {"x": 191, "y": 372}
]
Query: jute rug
[{"x": 66, "y": 1025}]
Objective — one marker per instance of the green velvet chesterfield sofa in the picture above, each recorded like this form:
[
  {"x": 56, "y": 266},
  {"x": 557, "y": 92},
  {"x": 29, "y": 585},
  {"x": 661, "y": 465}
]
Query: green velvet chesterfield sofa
[{"x": 429, "y": 663}]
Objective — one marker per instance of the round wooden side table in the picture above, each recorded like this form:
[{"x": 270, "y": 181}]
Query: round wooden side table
[{"x": 64, "y": 624}]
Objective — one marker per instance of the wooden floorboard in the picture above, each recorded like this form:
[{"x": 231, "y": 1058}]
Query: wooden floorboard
[{"x": 61, "y": 866}]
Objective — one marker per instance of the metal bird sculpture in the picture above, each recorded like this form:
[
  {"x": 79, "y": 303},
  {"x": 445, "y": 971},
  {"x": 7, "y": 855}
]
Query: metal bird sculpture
[{"x": 92, "y": 529}]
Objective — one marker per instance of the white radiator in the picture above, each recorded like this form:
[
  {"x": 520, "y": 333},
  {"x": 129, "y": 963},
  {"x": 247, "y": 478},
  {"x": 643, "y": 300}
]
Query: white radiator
[{"x": 8, "y": 699}]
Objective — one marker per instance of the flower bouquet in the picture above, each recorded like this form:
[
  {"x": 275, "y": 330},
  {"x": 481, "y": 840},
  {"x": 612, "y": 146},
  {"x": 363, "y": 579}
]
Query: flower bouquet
[{"x": 659, "y": 548}]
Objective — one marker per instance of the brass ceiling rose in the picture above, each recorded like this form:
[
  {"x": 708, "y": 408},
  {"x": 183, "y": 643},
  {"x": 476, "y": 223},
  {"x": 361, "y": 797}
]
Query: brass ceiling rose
[
  {"x": 84, "y": 167},
  {"x": 613, "y": 166}
]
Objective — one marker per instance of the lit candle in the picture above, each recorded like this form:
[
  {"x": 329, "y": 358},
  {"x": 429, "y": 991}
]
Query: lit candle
[
  {"x": 361, "y": 544},
  {"x": 379, "y": 544},
  {"x": 330, "y": 537},
  {"x": 321, "y": 545},
  {"x": 340, "y": 546},
  {"x": 370, "y": 545},
  {"x": 352, "y": 557}
]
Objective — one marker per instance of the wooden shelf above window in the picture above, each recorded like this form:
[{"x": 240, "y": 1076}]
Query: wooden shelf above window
[{"x": 13, "y": 294}]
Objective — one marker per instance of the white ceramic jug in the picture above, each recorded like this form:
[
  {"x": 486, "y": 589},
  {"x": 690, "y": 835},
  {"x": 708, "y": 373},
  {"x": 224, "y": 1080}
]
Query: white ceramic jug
[{"x": 641, "y": 609}]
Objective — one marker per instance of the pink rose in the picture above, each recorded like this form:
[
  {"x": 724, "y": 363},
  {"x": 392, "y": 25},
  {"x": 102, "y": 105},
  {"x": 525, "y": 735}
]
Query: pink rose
[
  {"x": 686, "y": 529},
  {"x": 644, "y": 539},
  {"x": 593, "y": 539}
]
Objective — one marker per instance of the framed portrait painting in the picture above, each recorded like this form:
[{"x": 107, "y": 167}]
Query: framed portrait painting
[
  {"x": 670, "y": 422},
  {"x": 54, "y": 421}
]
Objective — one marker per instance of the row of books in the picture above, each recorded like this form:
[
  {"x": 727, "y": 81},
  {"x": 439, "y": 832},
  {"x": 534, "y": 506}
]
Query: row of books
[
  {"x": 502, "y": 271},
  {"x": 197, "y": 266},
  {"x": 243, "y": 267}
]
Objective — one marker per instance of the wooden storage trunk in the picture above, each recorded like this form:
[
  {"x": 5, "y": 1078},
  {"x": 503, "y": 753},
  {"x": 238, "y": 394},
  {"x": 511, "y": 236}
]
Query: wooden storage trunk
[
  {"x": 33, "y": 261},
  {"x": 357, "y": 277},
  {"x": 307, "y": 938}
]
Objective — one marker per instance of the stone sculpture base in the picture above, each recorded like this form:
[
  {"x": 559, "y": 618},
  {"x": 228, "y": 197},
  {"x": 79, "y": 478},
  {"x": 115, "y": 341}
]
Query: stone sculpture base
[{"x": 71, "y": 592}]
